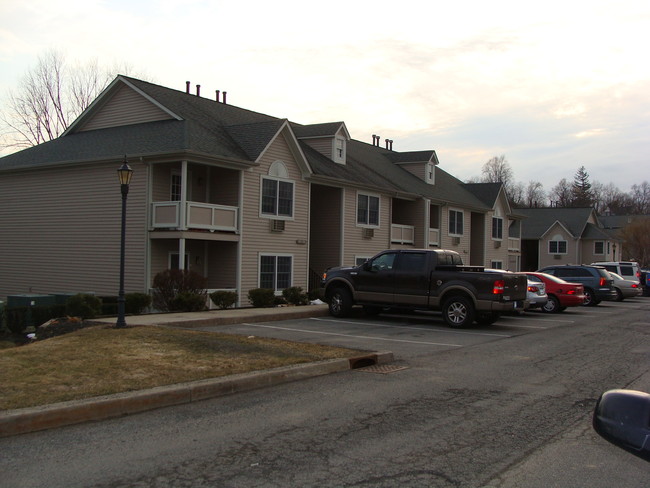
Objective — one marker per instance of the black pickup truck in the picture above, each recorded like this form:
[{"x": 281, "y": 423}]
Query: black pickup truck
[{"x": 424, "y": 280}]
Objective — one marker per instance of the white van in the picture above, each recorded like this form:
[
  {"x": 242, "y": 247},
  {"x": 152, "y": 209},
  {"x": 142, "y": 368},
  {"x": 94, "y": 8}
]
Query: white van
[{"x": 627, "y": 269}]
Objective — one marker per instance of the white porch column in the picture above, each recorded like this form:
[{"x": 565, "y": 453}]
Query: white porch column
[
  {"x": 184, "y": 183},
  {"x": 181, "y": 253}
]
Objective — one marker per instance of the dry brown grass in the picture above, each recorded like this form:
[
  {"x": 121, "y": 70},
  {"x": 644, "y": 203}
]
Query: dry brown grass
[{"x": 102, "y": 360}]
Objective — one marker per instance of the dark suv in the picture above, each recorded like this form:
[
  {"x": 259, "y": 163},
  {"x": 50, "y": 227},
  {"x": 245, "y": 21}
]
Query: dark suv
[{"x": 597, "y": 282}]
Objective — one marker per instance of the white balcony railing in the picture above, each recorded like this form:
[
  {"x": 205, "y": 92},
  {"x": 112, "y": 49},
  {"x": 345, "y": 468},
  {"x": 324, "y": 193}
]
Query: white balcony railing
[
  {"x": 514, "y": 244},
  {"x": 402, "y": 234},
  {"x": 434, "y": 237},
  {"x": 167, "y": 215}
]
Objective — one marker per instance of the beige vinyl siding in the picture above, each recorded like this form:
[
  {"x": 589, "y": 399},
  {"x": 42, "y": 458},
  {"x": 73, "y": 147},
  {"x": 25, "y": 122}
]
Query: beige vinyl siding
[
  {"x": 256, "y": 234},
  {"x": 126, "y": 107},
  {"x": 354, "y": 242},
  {"x": 323, "y": 146},
  {"x": 61, "y": 230},
  {"x": 417, "y": 169},
  {"x": 446, "y": 240}
]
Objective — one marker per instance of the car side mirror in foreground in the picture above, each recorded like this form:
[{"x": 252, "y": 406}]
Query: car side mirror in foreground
[{"x": 623, "y": 418}]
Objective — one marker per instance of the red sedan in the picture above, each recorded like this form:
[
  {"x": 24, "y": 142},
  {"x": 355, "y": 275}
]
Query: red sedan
[{"x": 561, "y": 294}]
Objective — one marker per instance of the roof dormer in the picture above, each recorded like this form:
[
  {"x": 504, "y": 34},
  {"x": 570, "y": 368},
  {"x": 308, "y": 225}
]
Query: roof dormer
[
  {"x": 329, "y": 139},
  {"x": 420, "y": 163}
]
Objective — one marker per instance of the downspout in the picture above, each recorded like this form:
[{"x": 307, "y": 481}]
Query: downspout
[
  {"x": 342, "y": 224},
  {"x": 427, "y": 220}
]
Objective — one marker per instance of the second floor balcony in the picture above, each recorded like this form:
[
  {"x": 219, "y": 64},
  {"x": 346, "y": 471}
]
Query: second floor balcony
[{"x": 194, "y": 215}]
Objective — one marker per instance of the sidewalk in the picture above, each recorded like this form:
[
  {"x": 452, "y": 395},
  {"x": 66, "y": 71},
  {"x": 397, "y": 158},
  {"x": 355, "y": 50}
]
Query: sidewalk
[
  {"x": 25, "y": 420},
  {"x": 223, "y": 317}
]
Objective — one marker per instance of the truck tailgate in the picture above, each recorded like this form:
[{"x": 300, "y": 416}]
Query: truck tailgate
[{"x": 514, "y": 287}]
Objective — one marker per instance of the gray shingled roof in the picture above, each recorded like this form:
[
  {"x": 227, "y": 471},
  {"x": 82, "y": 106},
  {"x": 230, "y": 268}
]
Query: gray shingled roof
[
  {"x": 219, "y": 130},
  {"x": 539, "y": 220},
  {"x": 486, "y": 192}
]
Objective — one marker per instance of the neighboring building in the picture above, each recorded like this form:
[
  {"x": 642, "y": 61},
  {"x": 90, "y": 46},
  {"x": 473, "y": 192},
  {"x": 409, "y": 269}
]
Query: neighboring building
[
  {"x": 245, "y": 199},
  {"x": 563, "y": 235}
]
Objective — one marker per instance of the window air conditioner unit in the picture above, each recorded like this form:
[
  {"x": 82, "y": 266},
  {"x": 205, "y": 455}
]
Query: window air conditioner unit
[
  {"x": 455, "y": 241},
  {"x": 368, "y": 233},
  {"x": 557, "y": 256},
  {"x": 497, "y": 244},
  {"x": 277, "y": 225}
]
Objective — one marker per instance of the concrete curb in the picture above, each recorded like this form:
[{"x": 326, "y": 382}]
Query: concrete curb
[{"x": 26, "y": 420}]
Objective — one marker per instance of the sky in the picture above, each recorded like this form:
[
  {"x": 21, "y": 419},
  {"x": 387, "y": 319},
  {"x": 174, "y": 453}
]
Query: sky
[{"x": 551, "y": 85}]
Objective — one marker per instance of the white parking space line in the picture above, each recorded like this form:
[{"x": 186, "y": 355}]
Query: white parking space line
[
  {"x": 443, "y": 331},
  {"x": 352, "y": 336}
]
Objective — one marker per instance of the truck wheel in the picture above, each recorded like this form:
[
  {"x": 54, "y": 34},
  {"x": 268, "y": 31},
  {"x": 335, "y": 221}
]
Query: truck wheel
[
  {"x": 340, "y": 302},
  {"x": 458, "y": 312}
]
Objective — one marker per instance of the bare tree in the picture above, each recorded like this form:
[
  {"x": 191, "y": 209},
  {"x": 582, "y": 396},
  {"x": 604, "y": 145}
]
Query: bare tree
[
  {"x": 637, "y": 241},
  {"x": 497, "y": 170},
  {"x": 640, "y": 196},
  {"x": 50, "y": 97},
  {"x": 534, "y": 195},
  {"x": 561, "y": 194}
]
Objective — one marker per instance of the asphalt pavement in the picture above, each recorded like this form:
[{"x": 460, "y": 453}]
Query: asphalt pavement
[{"x": 13, "y": 422}]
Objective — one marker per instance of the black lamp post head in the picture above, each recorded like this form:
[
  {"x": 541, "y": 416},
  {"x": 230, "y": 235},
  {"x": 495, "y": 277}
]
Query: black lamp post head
[{"x": 124, "y": 173}]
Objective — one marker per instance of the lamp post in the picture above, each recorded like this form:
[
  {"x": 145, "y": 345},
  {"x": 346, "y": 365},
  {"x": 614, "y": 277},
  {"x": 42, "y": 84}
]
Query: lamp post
[{"x": 124, "y": 174}]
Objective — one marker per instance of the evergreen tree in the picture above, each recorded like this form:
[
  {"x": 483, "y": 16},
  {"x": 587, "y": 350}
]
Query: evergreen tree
[{"x": 582, "y": 193}]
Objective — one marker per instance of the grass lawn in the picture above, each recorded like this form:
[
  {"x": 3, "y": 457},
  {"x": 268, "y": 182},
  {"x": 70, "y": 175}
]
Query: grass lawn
[{"x": 102, "y": 360}]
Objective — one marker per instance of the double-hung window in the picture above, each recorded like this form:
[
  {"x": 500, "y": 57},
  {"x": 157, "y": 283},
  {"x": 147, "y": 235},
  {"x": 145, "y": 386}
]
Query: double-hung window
[
  {"x": 367, "y": 210},
  {"x": 557, "y": 247},
  {"x": 497, "y": 228},
  {"x": 599, "y": 247},
  {"x": 277, "y": 197},
  {"x": 455, "y": 222},
  {"x": 275, "y": 272}
]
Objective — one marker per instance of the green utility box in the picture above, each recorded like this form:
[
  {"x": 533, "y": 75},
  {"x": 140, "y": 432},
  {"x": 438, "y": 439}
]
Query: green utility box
[{"x": 30, "y": 300}]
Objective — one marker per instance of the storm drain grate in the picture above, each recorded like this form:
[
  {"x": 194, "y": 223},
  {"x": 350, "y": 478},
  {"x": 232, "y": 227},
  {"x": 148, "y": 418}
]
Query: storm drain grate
[{"x": 382, "y": 368}]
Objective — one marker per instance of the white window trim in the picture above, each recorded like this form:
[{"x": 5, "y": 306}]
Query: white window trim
[
  {"x": 359, "y": 258},
  {"x": 356, "y": 208},
  {"x": 276, "y": 216},
  {"x": 275, "y": 255},
  {"x": 558, "y": 241},
  {"x": 430, "y": 173},
  {"x": 449, "y": 221},
  {"x": 497, "y": 262},
  {"x": 335, "y": 157},
  {"x": 604, "y": 248},
  {"x": 492, "y": 228}
]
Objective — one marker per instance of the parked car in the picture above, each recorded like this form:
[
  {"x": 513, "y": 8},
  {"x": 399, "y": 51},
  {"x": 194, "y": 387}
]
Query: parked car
[
  {"x": 645, "y": 282},
  {"x": 621, "y": 417},
  {"x": 561, "y": 294},
  {"x": 625, "y": 288},
  {"x": 629, "y": 270},
  {"x": 536, "y": 293},
  {"x": 597, "y": 282}
]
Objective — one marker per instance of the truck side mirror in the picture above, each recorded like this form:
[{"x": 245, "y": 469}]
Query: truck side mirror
[{"x": 622, "y": 417}]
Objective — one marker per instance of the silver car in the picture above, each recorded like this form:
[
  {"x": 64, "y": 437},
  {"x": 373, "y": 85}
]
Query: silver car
[
  {"x": 536, "y": 293},
  {"x": 625, "y": 288}
]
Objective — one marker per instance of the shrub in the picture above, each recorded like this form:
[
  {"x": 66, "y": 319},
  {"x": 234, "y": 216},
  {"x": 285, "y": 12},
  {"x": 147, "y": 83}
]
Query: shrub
[
  {"x": 84, "y": 306},
  {"x": 295, "y": 296},
  {"x": 136, "y": 303},
  {"x": 170, "y": 283},
  {"x": 224, "y": 299},
  {"x": 17, "y": 319},
  {"x": 188, "y": 302},
  {"x": 262, "y": 297}
]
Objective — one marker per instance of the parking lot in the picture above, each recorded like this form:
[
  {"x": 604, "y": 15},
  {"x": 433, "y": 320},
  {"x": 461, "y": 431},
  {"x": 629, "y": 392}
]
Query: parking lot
[{"x": 408, "y": 335}]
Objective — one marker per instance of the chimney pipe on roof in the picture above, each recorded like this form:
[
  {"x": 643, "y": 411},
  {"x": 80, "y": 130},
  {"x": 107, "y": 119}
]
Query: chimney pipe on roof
[
  {"x": 224, "y": 96},
  {"x": 217, "y": 92},
  {"x": 391, "y": 144},
  {"x": 187, "y": 87},
  {"x": 387, "y": 141},
  {"x": 198, "y": 90}
]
